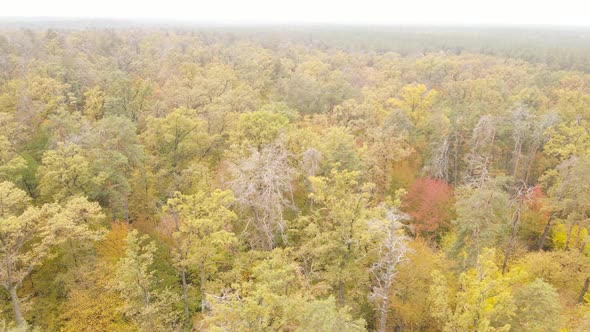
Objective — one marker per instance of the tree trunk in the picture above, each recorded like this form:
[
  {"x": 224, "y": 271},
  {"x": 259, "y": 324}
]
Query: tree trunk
[
  {"x": 18, "y": 316},
  {"x": 383, "y": 313},
  {"x": 126, "y": 205},
  {"x": 583, "y": 246},
  {"x": 113, "y": 216},
  {"x": 569, "y": 236},
  {"x": 34, "y": 290},
  {"x": 506, "y": 255},
  {"x": 508, "y": 251},
  {"x": 203, "y": 300},
  {"x": 584, "y": 290},
  {"x": 185, "y": 293},
  {"x": 516, "y": 162},
  {"x": 510, "y": 246},
  {"x": 73, "y": 252},
  {"x": 341, "y": 293},
  {"x": 545, "y": 232},
  {"x": 456, "y": 160},
  {"x": 530, "y": 163}
]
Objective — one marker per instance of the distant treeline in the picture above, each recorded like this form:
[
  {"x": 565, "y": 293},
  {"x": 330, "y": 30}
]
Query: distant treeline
[{"x": 561, "y": 48}]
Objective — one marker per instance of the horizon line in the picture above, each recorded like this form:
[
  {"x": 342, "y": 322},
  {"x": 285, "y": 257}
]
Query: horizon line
[{"x": 286, "y": 23}]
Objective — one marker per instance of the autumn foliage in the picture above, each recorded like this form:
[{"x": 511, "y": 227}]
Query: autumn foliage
[
  {"x": 251, "y": 180},
  {"x": 429, "y": 203}
]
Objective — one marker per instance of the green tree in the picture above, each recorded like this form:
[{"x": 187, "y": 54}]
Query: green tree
[
  {"x": 537, "y": 308},
  {"x": 11, "y": 164},
  {"x": 65, "y": 172},
  {"x": 275, "y": 299},
  {"x": 483, "y": 216},
  {"x": 200, "y": 226},
  {"x": 172, "y": 143},
  {"x": 569, "y": 198},
  {"x": 334, "y": 237},
  {"x": 114, "y": 150},
  {"x": 484, "y": 301},
  {"x": 152, "y": 309},
  {"x": 28, "y": 234},
  {"x": 257, "y": 129}
]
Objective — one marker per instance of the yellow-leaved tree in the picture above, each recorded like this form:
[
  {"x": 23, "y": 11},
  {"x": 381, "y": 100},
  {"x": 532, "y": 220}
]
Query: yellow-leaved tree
[{"x": 28, "y": 233}]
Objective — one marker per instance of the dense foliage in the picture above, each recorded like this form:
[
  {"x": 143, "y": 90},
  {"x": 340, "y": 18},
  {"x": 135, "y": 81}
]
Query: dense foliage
[{"x": 159, "y": 179}]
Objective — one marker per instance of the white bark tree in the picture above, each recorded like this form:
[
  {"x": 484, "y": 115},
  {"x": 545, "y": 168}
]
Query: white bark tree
[
  {"x": 393, "y": 247},
  {"x": 262, "y": 187}
]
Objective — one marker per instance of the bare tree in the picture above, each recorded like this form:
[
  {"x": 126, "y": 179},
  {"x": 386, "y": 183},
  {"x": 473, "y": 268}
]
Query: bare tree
[
  {"x": 393, "y": 248},
  {"x": 521, "y": 121},
  {"x": 479, "y": 157},
  {"x": 310, "y": 161},
  {"x": 438, "y": 167},
  {"x": 262, "y": 186}
]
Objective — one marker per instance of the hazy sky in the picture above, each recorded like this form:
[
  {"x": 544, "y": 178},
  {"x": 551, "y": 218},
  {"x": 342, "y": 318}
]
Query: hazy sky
[{"x": 554, "y": 12}]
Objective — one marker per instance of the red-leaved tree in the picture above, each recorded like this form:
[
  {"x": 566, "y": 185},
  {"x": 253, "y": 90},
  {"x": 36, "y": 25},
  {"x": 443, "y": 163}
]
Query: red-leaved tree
[{"x": 430, "y": 203}]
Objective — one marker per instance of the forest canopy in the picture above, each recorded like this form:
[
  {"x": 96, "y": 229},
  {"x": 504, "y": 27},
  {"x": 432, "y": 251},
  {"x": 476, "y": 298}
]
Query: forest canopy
[{"x": 225, "y": 178}]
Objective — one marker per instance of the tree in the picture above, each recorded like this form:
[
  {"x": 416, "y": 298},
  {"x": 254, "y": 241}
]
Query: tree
[
  {"x": 569, "y": 199},
  {"x": 415, "y": 101},
  {"x": 255, "y": 130},
  {"x": 324, "y": 315},
  {"x": 335, "y": 236},
  {"x": 410, "y": 303},
  {"x": 173, "y": 142},
  {"x": 28, "y": 233},
  {"x": 483, "y": 216},
  {"x": 262, "y": 302},
  {"x": 75, "y": 221},
  {"x": 392, "y": 249},
  {"x": 127, "y": 97},
  {"x": 439, "y": 163},
  {"x": 94, "y": 100},
  {"x": 534, "y": 216},
  {"x": 537, "y": 308},
  {"x": 479, "y": 158},
  {"x": 200, "y": 225},
  {"x": 338, "y": 148},
  {"x": 565, "y": 270},
  {"x": 65, "y": 172},
  {"x": 387, "y": 145},
  {"x": 262, "y": 186},
  {"x": 19, "y": 226},
  {"x": 429, "y": 203},
  {"x": 484, "y": 301},
  {"x": 275, "y": 299},
  {"x": 314, "y": 88},
  {"x": 91, "y": 306},
  {"x": 198, "y": 86},
  {"x": 150, "y": 308},
  {"x": 11, "y": 164},
  {"x": 114, "y": 150},
  {"x": 359, "y": 118}
]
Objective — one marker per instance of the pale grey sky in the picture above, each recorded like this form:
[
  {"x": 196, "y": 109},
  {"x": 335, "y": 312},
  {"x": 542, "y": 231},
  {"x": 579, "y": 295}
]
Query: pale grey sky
[{"x": 554, "y": 12}]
